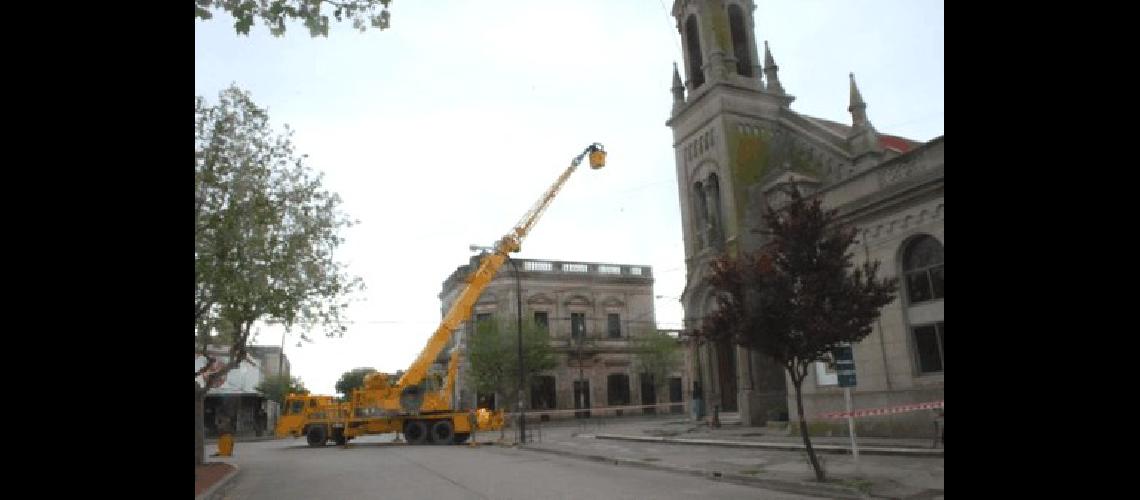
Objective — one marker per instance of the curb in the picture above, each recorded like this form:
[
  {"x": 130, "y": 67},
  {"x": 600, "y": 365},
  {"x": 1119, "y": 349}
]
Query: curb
[
  {"x": 211, "y": 491},
  {"x": 822, "y": 448},
  {"x": 245, "y": 439},
  {"x": 825, "y": 490}
]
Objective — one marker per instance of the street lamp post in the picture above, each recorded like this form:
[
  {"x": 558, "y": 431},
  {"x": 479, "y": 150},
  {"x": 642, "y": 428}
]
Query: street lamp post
[{"x": 522, "y": 378}]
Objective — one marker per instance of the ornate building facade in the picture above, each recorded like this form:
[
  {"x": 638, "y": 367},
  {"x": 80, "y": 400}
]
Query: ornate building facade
[{"x": 736, "y": 142}]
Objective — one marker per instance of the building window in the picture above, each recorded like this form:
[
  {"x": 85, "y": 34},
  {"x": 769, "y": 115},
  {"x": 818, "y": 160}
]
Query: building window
[
  {"x": 542, "y": 319},
  {"x": 693, "y": 42},
  {"x": 700, "y": 213},
  {"x": 542, "y": 393},
  {"x": 924, "y": 271},
  {"x": 929, "y": 342},
  {"x": 712, "y": 191},
  {"x": 617, "y": 389},
  {"x": 739, "y": 41},
  {"x": 613, "y": 325},
  {"x": 578, "y": 325}
]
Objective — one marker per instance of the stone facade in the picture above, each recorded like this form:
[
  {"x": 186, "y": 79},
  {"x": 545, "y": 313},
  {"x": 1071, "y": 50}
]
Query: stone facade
[
  {"x": 736, "y": 142},
  {"x": 565, "y": 293}
]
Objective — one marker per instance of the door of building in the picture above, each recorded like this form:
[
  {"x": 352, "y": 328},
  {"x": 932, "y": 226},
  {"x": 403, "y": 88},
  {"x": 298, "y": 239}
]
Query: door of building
[
  {"x": 726, "y": 368},
  {"x": 675, "y": 396},
  {"x": 648, "y": 394},
  {"x": 582, "y": 398}
]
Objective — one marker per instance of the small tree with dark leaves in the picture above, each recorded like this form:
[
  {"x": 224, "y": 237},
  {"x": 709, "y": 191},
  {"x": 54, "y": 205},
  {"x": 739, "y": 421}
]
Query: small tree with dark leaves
[{"x": 800, "y": 296}]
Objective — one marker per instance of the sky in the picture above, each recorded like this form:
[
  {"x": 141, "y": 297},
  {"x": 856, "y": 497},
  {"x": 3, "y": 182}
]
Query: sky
[{"x": 443, "y": 130}]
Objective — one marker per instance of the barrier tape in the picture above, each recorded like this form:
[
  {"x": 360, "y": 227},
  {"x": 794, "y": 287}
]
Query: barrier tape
[{"x": 868, "y": 412}]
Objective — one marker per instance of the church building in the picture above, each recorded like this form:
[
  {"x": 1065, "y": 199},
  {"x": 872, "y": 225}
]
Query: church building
[{"x": 737, "y": 141}]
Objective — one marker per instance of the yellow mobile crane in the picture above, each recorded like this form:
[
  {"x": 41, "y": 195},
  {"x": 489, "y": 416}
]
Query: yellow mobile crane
[
  {"x": 423, "y": 411},
  {"x": 302, "y": 412}
]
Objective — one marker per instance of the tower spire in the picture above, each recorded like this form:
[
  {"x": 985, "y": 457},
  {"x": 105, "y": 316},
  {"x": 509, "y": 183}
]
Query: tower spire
[
  {"x": 678, "y": 89},
  {"x": 770, "y": 70},
  {"x": 863, "y": 138},
  {"x": 858, "y": 108}
]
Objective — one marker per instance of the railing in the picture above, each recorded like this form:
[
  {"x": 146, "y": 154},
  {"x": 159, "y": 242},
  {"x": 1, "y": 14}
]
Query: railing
[{"x": 556, "y": 267}]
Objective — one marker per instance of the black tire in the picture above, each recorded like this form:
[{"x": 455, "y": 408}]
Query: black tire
[
  {"x": 461, "y": 437},
  {"x": 415, "y": 432},
  {"x": 338, "y": 437},
  {"x": 442, "y": 432},
  {"x": 316, "y": 436}
]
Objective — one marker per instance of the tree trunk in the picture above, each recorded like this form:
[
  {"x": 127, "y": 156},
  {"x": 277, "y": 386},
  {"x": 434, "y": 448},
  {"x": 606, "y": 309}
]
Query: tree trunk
[
  {"x": 199, "y": 425},
  {"x": 804, "y": 429}
]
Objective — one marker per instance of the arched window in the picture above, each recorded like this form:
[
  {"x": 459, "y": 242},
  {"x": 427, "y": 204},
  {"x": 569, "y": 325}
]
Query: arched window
[
  {"x": 739, "y": 41},
  {"x": 712, "y": 191},
  {"x": 693, "y": 43},
  {"x": 700, "y": 213},
  {"x": 923, "y": 269}
]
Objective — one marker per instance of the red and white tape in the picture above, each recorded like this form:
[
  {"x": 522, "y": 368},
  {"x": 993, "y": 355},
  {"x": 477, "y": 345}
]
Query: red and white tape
[{"x": 869, "y": 412}]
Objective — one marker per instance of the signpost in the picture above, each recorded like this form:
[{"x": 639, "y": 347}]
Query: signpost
[{"x": 845, "y": 368}]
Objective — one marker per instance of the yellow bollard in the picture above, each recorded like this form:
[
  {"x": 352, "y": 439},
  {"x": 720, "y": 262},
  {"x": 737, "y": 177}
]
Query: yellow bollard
[{"x": 225, "y": 445}]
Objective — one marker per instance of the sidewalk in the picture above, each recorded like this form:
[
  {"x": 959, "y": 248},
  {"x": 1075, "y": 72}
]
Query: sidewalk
[
  {"x": 211, "y": 476},
  {"x": 766, "y": 457}
]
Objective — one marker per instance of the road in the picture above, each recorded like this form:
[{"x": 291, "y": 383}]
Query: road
[{"x": 372, "y": 467}]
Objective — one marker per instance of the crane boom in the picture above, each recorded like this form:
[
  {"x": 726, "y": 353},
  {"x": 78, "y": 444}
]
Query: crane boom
[{"x": 488, "y": 267}]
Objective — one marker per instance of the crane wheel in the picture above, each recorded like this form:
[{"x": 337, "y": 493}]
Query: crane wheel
[
  {"x": 442, "y": 432},
  {"x": 461, "y": 437},
  {"x": 316, "y": 436},
  {"x": 338, "y": 437},
  {"x": 416, "y": 432}
]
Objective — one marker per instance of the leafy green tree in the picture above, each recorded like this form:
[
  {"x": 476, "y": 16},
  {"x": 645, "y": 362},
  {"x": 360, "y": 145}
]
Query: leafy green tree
[
  {"x": 277, "y": 388},
  {"x": 265, "y": 233},
  {"x": 800, "y": 296},
  {"x": 656, "y": 354},
  {"x": 363, "y": 13},
  {"x": 493, "y": 351},
  {"x": 352, "y": 379}
]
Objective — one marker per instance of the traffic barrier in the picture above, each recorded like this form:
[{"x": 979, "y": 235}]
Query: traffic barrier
[{"x": 869, "y": 412}]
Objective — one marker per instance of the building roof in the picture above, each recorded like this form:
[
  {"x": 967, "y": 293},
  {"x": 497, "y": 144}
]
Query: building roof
[{"x": 887, "y": 141}]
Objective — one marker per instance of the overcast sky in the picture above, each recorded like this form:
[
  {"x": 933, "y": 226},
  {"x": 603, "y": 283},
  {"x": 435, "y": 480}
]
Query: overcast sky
[{"x": 443, "y": 130}]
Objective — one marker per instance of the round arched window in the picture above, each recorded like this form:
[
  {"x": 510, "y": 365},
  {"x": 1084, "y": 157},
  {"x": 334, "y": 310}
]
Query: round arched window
[{"x": 923, "y": 269}]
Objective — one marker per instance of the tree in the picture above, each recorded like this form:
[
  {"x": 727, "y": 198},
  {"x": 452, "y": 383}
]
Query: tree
[
  {"x": 274, "y": 13},
  {"x": 265, "y": 233},
  {"x": 493, "y": 351},
  {"x": 800, "y": 296},
  {"x": 352, "y": 379},
  {"x": 278, "y": 387},
  {"x": 656, "y": 354}
]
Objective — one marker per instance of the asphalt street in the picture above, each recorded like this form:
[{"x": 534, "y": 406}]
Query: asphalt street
[{"x": 374, "y": 467}]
